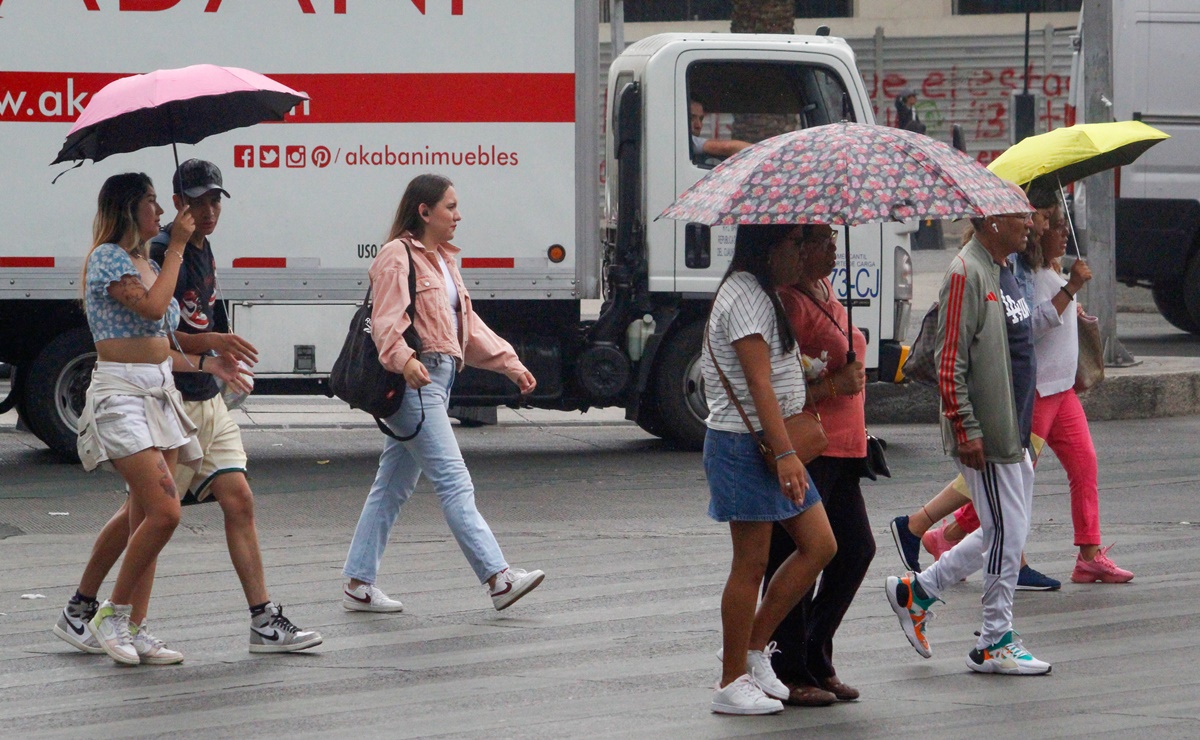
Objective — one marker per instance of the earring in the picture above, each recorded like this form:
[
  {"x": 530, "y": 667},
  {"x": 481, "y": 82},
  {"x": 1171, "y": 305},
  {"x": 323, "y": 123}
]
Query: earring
[{"x": 995, "y": 228}]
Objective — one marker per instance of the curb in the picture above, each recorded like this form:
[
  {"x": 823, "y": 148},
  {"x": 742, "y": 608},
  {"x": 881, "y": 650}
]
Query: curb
[{"x": 1145, "y": 392}]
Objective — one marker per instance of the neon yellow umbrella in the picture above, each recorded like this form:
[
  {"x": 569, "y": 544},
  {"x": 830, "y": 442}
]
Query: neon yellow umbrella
[{"x": 1053, "y": 159}]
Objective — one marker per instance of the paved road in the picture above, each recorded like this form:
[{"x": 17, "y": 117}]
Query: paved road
[{"x": 619, "y": 640}]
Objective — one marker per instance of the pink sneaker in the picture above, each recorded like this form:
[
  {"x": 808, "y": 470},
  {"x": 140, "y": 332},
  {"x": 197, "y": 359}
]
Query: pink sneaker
[
  {"x": 936, "y": 542},
  {"x": 1099, "y": 569}
]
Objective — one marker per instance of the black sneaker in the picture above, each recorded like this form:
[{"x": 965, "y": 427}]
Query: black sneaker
[
  {"x": 907, "y": 544},
  {"x": 1031, "y": 580},
  {"x": 271, "y": 632}
]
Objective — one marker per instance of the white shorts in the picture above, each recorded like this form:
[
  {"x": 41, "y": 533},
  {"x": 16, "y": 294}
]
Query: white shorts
[
  {"x": 221, "y": 442},
  {"x": 120, "y": 421}
]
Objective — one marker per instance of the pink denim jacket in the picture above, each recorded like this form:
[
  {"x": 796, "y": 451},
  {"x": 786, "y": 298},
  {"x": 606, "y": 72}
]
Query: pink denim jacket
[{"x": 476, "y": 345}]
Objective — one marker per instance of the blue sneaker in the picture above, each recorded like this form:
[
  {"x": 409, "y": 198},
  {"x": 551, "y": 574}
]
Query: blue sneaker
[
  {"x": 1031, "y": 580},
  {"x": 907, "y": 544}
]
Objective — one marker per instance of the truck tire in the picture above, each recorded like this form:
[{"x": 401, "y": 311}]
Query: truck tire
[
  {"x": 53, "y": 389},
  {"x": 680, "y": 389},
  {"x": 1171, "y": 302},
  {"x": 1191, "y": 293}
]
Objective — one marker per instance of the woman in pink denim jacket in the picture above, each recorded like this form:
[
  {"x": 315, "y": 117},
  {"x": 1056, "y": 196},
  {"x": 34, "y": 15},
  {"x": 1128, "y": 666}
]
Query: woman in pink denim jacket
[{"x": 452, "y": 335}]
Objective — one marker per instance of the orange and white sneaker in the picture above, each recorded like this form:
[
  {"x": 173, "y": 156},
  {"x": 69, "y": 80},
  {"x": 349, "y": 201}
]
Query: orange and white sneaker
[
  {"x": 1100, "y": 568},
  {"x": 911, "y": 609}
]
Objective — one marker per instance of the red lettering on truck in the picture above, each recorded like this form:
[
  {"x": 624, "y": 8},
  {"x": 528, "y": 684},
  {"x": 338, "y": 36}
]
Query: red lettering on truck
[{"x": 55, "y": 97}]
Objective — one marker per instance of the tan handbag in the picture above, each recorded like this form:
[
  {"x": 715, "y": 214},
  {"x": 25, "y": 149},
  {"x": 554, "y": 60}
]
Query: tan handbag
[
  {"x": 1089, "y": 370},
  {"x": 804, "y": 429}
]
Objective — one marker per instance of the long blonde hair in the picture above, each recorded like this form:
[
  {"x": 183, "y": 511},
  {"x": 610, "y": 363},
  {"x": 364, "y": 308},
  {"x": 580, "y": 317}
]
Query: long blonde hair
[{"x": 116, "y": 216}]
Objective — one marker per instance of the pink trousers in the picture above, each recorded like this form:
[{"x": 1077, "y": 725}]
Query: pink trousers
[{"x": 1059, "y": 419}]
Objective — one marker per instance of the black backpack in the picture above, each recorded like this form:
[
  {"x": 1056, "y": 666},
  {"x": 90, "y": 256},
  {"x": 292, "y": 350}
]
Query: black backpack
[{"x": 360, "y": 380}]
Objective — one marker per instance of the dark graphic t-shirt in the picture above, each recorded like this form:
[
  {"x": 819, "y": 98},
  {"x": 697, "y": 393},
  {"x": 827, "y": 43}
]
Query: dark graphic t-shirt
[
  {"x": 1020, "y": 349},
  {"x": 195, "y": 290}
]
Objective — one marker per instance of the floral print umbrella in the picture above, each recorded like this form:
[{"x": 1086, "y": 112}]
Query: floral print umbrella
[{"x": 844, "y": 174}]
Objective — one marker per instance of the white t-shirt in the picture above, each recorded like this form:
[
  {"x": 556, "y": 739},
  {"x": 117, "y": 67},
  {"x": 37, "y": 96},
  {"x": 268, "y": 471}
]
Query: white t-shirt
[
  {"x": 743, "y": 309},
  {"x": 451, "y": 290},
  {"x": 1055, "y": 337}
]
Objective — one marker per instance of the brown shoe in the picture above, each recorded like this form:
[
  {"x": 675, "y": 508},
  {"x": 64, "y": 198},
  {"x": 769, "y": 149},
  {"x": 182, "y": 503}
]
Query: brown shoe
[
  {"x": 843, "y": 692},
  {"x": 803, "y": 695}
]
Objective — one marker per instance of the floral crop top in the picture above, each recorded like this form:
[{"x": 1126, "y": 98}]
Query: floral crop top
[{"x": 107, "y": 318}]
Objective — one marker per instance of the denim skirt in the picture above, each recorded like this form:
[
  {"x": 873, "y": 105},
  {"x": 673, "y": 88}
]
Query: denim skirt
[{"x": 740, "y": 487}]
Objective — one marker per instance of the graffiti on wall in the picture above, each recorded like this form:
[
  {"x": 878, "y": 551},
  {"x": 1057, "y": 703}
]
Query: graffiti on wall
[{"x": 975, "y": 98}]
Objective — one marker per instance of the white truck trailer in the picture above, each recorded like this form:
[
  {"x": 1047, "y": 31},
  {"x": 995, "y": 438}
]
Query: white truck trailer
[
  {"x": 503, "y": 98},
  {"x": 1156, "y": 80}
]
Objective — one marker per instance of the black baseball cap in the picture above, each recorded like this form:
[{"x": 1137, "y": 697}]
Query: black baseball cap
[{"x": 195, "y": 177}]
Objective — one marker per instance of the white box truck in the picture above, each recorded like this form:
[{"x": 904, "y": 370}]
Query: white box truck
[
  {"x": 1156, "y": 80},
  {"x": 502, "y": 97}
]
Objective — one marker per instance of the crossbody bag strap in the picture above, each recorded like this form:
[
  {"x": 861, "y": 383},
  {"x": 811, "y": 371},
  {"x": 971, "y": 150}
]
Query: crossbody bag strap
[{"x": 726, "y": 384}]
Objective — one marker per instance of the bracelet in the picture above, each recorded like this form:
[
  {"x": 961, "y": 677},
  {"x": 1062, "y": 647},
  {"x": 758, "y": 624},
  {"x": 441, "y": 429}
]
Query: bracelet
[
  {"x": 201, "y": 366},
  {"x": 177, "y": 252},
  {"x": 782, "y": 455},
  {"x": 832, "y": 388},
  {"x": 1069, "y": 293}
]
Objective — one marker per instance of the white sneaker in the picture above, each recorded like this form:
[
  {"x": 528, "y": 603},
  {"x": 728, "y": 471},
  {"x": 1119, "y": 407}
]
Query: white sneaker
[
  {"x": 72, "y": 627},
  {"x": 150, "y": 649},
  {"x": 110, "y": 627},
  {"x": 743, "y": 696},
  {"x": 758, "y": 666},
  {"x": 368, "y": 598},
  {"x": 1008, "y": 656},
  {"x": 512, "y": 584}
]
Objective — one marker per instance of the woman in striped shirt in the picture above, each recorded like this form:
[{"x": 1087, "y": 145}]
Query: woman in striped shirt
[{"x": 749, "y": 348}]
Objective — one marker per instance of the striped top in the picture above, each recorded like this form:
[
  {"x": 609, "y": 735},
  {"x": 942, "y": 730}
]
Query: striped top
[{"x": 743, "y": 309}]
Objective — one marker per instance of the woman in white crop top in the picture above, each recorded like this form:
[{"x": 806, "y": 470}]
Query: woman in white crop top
[{"x": 133, "y": 417}]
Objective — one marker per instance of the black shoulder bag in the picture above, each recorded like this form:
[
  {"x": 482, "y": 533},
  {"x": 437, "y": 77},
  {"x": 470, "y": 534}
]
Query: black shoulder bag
[{"x": 359, "y": 379}]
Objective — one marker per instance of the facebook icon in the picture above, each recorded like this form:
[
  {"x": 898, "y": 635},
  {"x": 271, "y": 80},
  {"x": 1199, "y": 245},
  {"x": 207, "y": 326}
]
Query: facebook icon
[{"x": 243, "y": 156}]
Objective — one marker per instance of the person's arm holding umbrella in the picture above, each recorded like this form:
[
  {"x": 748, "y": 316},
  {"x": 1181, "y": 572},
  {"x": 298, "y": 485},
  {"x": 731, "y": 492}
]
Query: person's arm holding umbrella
[{"x": 153, "y": 302}]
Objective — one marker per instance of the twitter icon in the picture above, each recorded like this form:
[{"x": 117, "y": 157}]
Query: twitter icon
[{"x": 268, "y": 156}]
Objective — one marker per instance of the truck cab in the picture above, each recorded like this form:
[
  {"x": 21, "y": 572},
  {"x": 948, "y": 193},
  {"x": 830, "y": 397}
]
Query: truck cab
[{"x": 745, "y": 88}]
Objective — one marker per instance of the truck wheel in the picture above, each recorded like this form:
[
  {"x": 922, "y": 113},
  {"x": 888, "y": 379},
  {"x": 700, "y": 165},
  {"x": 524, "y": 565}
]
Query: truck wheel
[
  {"x": 1171, "y": 303},
  {"x": 54, "y": 388},
  {"x": 1191, "y": 294},
  {"x": 680, "y": 389}
]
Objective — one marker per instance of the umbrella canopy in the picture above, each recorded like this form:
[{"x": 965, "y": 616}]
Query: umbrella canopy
[
  {"x": 845, "y": 174},
  {"x": 1064, "y": 155},
  {"x": 172, "y": 106}
]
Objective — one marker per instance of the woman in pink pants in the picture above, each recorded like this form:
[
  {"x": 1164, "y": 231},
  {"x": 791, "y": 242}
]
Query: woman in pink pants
[{"x": 1057, "y": 414}]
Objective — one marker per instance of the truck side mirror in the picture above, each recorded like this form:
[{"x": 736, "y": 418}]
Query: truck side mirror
[{"x": 697, "y": 249}]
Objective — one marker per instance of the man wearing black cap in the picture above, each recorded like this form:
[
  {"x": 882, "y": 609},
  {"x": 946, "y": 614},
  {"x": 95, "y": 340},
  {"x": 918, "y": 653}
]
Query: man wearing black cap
[{"x": 222, "y": 475}]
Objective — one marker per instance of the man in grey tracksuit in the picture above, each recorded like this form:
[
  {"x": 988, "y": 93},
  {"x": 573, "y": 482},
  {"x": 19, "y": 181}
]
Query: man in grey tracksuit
[{"x": 986, "y": 381}]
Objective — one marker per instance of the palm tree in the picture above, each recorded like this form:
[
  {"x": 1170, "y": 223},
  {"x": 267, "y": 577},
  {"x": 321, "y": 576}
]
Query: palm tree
[{"x": 761, "y": 16}]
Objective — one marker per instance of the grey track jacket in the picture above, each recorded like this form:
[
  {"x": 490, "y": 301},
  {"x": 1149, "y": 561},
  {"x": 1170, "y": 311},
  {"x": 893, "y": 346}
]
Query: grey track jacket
[{"x": 972, "y": 360}]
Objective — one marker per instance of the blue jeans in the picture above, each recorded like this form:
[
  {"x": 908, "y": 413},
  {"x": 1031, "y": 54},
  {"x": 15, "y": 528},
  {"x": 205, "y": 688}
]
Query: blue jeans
[{"x": 434, "y": 452}]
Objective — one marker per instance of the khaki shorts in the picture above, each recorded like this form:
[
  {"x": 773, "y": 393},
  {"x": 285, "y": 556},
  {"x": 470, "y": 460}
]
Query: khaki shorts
[
  {"x": 221, "y": 441},
  {"x": 960, "y": 483}
]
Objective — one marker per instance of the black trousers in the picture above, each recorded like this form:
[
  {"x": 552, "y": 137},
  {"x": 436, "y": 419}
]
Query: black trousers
[{"x": 805, "y": 637}]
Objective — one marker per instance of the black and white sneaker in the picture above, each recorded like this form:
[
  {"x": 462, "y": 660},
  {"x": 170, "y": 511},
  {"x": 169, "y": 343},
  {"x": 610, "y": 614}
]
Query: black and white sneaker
[
  {"x": 72, "y": 626},
  {"x": 271, "y": 632}
]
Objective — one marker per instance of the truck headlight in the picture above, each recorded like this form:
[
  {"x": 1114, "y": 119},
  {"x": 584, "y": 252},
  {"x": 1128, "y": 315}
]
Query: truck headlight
[{"x": 903, "y": 293}]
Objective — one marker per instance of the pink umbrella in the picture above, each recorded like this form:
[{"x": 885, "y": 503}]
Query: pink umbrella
[
  {"x": 171, "y": 106},
  {"x": 844, "y": 174}
]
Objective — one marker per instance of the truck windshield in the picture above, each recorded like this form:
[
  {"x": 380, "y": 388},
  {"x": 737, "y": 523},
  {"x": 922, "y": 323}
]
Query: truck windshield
[{"x": 736, "y": 103}]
